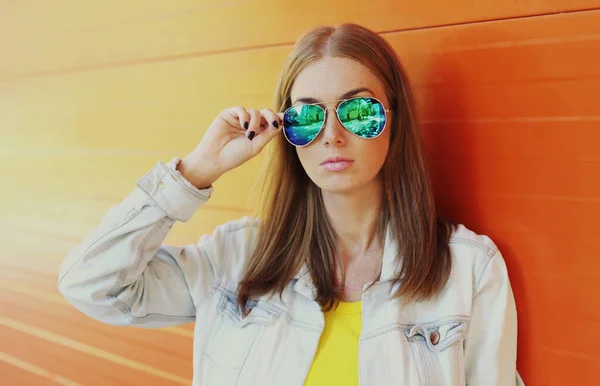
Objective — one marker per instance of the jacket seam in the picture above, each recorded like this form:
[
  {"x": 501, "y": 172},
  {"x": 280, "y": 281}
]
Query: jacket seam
[
  {"x": 230, "y": 228},
  {"x": 482, "y": 272},
  {"x": 212, "y": 287},
  {"x": 122, "y": 306},
  {"x": 103, "y": 235},
  {"x": 422, "y": 347},
  {"x": 150, "y": 198},
  {"x": 225, "y": 257},
  {"x": 488, "y": 250},
  {"x": 403, "y": 326},
  {"x": 275, "y": 309},
  {"x": 198, "y": 194}
]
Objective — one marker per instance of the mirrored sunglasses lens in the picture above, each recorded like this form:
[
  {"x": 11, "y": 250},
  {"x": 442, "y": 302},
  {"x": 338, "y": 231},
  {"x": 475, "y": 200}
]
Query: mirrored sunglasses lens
[
  {"x": 364, "y": 117},
  {"x": 301, "y": 124}
]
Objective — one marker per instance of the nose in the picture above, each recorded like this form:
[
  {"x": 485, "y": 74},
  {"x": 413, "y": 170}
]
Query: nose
[{"x": 333, "y": 132}]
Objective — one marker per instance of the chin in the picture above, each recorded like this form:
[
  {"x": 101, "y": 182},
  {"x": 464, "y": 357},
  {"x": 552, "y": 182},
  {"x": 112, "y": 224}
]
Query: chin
[
  {"x": 343, "y": 183},
  {"x": 337, "y": 185}
]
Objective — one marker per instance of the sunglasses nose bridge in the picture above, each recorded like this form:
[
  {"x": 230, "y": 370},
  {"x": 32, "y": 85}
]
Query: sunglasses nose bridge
[
  {"x": 335, "y": 109},
  {"x": 332, "y": 130}
]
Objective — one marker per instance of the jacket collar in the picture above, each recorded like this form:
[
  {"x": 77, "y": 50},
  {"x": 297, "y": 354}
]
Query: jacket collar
[{"x": 390, "y": 265}]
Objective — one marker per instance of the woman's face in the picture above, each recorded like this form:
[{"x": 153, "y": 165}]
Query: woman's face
[{"x": 330, "y": 79}]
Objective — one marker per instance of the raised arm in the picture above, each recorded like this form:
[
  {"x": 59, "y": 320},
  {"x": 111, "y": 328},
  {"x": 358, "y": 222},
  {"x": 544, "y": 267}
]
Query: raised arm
[{"x": 123, "y": 274}]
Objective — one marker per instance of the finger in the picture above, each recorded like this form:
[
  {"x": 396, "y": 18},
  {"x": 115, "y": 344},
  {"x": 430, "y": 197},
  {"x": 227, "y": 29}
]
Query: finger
[
  {"x": 271, "y": 118},
  {"x": 264, "y": 138},
  {"x": 255, "y": 123},
  {"x": 270, "y": 132},
  {"x": 238, "y": 117},
  {"x": 231, "y": 120}
]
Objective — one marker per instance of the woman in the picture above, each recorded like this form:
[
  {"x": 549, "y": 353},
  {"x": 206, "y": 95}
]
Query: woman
[{"x": 348, "y": 278}]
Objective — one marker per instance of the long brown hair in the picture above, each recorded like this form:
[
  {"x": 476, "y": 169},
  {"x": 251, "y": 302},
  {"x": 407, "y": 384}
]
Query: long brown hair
[{"x": 294, "y": 229}]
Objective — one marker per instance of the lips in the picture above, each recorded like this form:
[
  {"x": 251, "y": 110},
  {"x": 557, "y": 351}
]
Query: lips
[
  {"x": 337, "y": 163},
  {"x": 336, "y": 159},
  {"x": 336, "y": 166}
]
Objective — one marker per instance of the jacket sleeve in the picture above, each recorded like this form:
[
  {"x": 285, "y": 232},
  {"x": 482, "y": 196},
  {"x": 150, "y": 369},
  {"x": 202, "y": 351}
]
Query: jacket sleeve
[
  {"x": 491, "y": 343},
  {"x": 122, "y": 274}
]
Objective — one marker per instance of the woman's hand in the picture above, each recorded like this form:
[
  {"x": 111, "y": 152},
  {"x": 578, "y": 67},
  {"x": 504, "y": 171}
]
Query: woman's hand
[{"x": 235, "y": 136}]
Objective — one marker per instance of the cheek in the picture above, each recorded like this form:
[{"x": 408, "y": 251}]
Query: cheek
[
  {"x": 375, "y": 160},
  {"x": 379, "y": 148},
  {"x": 377, "y": 153},
  {"x": 305, "y": 156}
]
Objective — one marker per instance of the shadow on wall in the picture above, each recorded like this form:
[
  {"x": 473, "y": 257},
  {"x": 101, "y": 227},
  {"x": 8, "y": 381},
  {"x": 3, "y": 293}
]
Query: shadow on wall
[{"x": 459, "y": 137}]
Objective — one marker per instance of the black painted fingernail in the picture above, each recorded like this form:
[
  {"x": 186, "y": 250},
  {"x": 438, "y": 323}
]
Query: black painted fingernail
[
  {"x": 246, "y": 125},
  {"x": 251, "y": 135},
  {"x": 276, "y": 124}
]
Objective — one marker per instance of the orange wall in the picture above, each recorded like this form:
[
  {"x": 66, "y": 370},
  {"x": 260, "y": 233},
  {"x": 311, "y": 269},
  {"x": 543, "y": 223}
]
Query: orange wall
[{"x": 92, "y": 95}]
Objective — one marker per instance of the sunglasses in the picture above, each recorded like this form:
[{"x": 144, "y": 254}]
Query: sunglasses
[{"x": 364, "y": 117}]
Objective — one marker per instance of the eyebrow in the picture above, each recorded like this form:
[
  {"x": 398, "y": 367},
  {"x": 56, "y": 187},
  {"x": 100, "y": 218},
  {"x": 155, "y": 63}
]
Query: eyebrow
[{"x": 343, "y": 96}]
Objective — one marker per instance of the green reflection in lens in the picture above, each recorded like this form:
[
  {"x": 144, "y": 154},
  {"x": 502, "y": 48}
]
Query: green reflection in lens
[
  {"x": 301, "y": 124},
  {"x": 364, "y": 117}
]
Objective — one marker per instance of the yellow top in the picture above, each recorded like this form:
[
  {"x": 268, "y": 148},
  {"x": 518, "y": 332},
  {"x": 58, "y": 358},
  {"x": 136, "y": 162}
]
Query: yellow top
[{"x": 336, "y": 360}]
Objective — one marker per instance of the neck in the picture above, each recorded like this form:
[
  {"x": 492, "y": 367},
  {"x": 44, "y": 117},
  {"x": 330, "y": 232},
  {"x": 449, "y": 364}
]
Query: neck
[{"x": 354, "y": 217}]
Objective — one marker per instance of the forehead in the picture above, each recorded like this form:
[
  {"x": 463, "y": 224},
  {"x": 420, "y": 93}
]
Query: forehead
[{"x": 328, "y": 78}]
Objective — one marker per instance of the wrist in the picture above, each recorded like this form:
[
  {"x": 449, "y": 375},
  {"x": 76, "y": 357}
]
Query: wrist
[{"x": 198, "y": 172}]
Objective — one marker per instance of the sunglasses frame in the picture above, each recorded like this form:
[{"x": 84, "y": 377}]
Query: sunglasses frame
[{"x": 340, "y": 101}]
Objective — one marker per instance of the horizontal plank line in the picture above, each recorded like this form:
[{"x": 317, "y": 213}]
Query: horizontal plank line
[
  {"x": 531, "y": 79},
  {"x": 539, "y": 197},
  {"x": 24, "y": 266},
  {"x": 59, "y": 299},
  {"x": 135, "y": 62},
  {"x": 589, "y": 118},
  {"x": 31, "y": 368},
  {"x": 88, "y": 152},
  {"x": 195, "y": 55},
  {"x": 521, "y": 157},
  {"x": 108, "y": 199},
  {"x": 522, "y": 43},
  {"x": 493, "y": 20},
  {"x": 42, "y": 295},
  {"x": 572, "y": 354},
  {"x": 160, "y": 16},
  {"x": 90, "y": 350}
]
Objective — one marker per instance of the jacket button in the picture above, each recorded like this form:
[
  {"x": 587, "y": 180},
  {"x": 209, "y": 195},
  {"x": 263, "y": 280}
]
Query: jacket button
[{"x": 435, "y": 338}]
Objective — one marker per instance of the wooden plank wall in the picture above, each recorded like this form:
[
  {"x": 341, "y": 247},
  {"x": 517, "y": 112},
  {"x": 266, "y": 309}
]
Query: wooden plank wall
[{"x": 93, "y": 94}]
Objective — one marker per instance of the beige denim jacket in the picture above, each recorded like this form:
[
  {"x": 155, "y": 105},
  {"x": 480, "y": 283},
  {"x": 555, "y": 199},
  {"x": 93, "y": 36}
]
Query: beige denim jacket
[{"x": 123, "y": 274}]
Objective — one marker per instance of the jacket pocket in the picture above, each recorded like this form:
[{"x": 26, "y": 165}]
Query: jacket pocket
[
  {"x": 233, "y": 338},
  {"x": 438, "y": 349}
]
